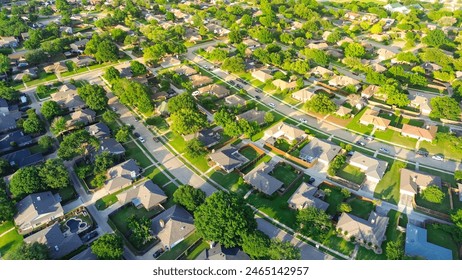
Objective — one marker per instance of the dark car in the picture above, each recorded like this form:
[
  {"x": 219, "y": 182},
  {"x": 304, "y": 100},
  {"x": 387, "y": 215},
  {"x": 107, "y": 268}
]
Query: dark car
[
  {"x": 238, "y": 86},
  {"x": 257, "y": 97},
  {"x": 90, "y": 236},
  {"x": 258, "y": 90},
  {"x": 361, "y": 143},
  {"x": 136, "y": 134},
  {"x": 158, "y": 253},
  {"x": 311, "y": 180},
  {"x": 422, "y": 153},
  {"x": 232, "y": 83},
  {"x": 155, "y": 139}
]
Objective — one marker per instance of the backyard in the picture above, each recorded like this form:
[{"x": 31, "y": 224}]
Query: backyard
[
  {"x": 9, "y": 240},
  {"x": 285, "y": 173},
  {"x": 442, "y": 238},
  {"x": 356, "y": 126},
  {"x": 249, "y": 152},
  {"x": 388, "y": 188},
  {"x": 232, "y": 181},
  {"x": 443, "y": 207},
  {"x": 176, "y": 251},
  {"x": 352, "y": 174},
  {"x": 177, "y": 142}
]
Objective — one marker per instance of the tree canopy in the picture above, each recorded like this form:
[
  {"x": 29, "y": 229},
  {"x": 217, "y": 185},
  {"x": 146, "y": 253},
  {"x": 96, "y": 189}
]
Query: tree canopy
[
  {"x": 281, "y": 250},
  {"x": 137, "y": 68},
  {"x": 182, "y": 101},
  {"x": 76, "y": 144},
  {"x": 50, "y": 109},
  {"x": 108, "y": 247},
  {"x": 33, "y": 251},
  {"x": 33, "y": 124},
  {"x": 111, "y": 74},
  {"x": 94, "y": 96},
  {"x": 7, "y": 92},
  {"x": 189, "y": 197},
  {"x": 187, "y": 121},
  {"x": 313, "y": 222},
  {"x": 444, "y": 107},
  {"x": 433, "y": 194},
  {"x": 7, "y": 207},
  {"x": 134, "y": 94},
  {"x": 321, "y": 103}
]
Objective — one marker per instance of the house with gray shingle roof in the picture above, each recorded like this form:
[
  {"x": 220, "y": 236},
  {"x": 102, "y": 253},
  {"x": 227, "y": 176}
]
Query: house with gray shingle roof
[
  {"x": 37, "y": 209},
  {"x": 218, "y": 252},
  {"x": 147, "y": 195},
  {"x": 99, "y": 130},
  {"x": 307, "y": 196},
  {"x": 59, "y": 245},
  {"x": 122, "y": 175},
  {"x": 111, "y": 146},
  {"x": 228, "y": 158},
  {"x": 320, "y": 150},
  {"x": 261, "y": 180},
  {"x": 172, "y": 226}
]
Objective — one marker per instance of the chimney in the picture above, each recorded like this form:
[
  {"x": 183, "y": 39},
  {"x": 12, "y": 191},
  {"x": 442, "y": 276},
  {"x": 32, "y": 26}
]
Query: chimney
[
  {"x": 39, "y": 198},
  {"x": 161, "y": 223},
  {"x": 133, "y": 174}
]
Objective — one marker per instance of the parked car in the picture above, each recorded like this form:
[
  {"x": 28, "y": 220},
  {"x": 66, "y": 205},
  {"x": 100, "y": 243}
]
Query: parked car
[
  {"x": 136, "y": 134},
  {"x": 369, "y": 137},
  {"x": 257, "y": 97},
  {"x": 302, "y": 120},
  {"x": 438, "y": 157},
  {"x": 385, "y": 151},
  {"x": 155, "y": 139},
  {"x": 311, "y": 180},
  {"x": 350, "y": 153},
  {"x": 238, "y": 86},
  {"x": 232, "y": 83},
  {"x": 141, "y": 139},
  {"x": 271, "y": 105},
  {"x": 422, "y": 153},
  {"x": 258, "y": 90},
  {"x": 90, "y": 236},
  {"x": 360, "y": 143},
  {"x": 158, "y": 253}
]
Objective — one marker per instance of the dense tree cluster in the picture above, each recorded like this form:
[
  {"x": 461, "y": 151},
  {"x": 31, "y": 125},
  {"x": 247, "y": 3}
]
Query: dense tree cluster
[
  {"x": 76, "y": 143},
  {"x": 189, "y": 197},
  {"x": 94, "y": 96},
  {"x": 134, "y": 94},
  {"x": 108, "y": 247}
]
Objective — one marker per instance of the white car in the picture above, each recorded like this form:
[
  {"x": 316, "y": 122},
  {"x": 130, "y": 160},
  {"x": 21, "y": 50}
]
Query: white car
[
  {"x": 195, "y": 93},
  {"x": 302, "y": 120},
  {"x": 141, "y": 139},
  {"x": 271, "y": 105},
  {"x": 438, "y": 157}
]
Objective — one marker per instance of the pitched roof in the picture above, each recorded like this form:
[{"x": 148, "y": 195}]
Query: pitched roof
[
  {"x": 370, "y": 91},
  {"x": 410, "y": 181},
  {"x": 147, "y": 193},
  {"x": 303, "y": 94},
  {"x": 85, "y": 115},
  {"x": 417, "y": 245},
  {"x": 253, "y": 116},
  {"x": 373, "y": 230},
  {"x": 385, "y": 54},
  {"x": 281, "y": 84},
  {"x": 371, "y": 117},
  {"x": 172, "y": 225},
  {"x": 260, "y": 179},
  {"x": 285, "y": 130},
  {"x": 321, "y": 149},
  {"x": 199, "y": 80},
  {"x": 373, "y": 167},
  {"x": 343, "y": 81},
  {"x": 185, "y": 70},
  {"x": 227, "y": 157},
  {"x": 261, "y": 75},
  {"x": 112, "y": 146},
  {"x": 235, "y": 100},
  {"x": 34, "y": 206},
  {"x": 218, "y": 90},
  {"x": 59, "y": 245},
  {"x": 220, "y": 253},
  {"x": 419, "y": 132},
  {"x": 319, "y": 70},
  {"x": 343, "y": 111},
  {"x": 99, "y": 130},
  {"x": 23, "y": 158},
  {"x": 122, "y": 175},
  {"x": 305, "y": 197}
]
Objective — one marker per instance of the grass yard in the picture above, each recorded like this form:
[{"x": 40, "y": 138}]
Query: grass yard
[
  {"x": 338, "y": 243},
  {"x": 335, "y": 198},
  {"x": 198, "y": 250},
  {"x": 74, "y": 71},
  {"x": 282, "y": 144},
  {"x": 232, "y": 181},
  {"x": 352, "y": 174},
  {"x": 388, "y": 188},
  {"x": 356, "y": 126},
  {"x": 179, "y": 144},
  {"x": 67, "y": 194},
  {"x": 396, "y": 137},
  {"x": 176, "y": 251},
  {"x": 169, "y": 190},
  {"x": 158, "y": 122},
  {"x": 120, "y": 218},
  {"x": 248, "y": 168},
  {"x": 442, "y": 238},
  {"x": 10, "y": 240},
  {"x": 134, "y": 152},
  {"x": 360, "y": 208},
  {"x": 43, "y": 77},
  {"x": 445, "y": 147},
  {"x": 443, "y": 207},
  {"x": 106, "y": 201},
  {"x": 285, "y": 173},
  {"x": 286, "y": 97},
  {"x": 156, "y": 175},
  {"x": 43, "y": 95},
  {"x": 249, "y": 152}
]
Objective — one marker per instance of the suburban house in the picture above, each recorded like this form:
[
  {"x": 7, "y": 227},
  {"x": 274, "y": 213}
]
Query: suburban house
[
  {"x": 23, "y": 158},
  {"x": 321, "y": 71},
  {"x": 84, "y": 116},
  {"x": 319, "y": 150},
  {"x": 378, "y": 68},
  {"x": 430, "y": 67},
  {"x": 384, "y": 54},
  {"x": 57, "y": 67},
  {"x": 235, "y": 100},
  {"x": 99, "y": 130},
  {"x": 302, "y": 95},
  {"x": 352, "y": 16},
  {"x": 371, "y": 117},
  {"x": 417, "y": 245},
  {"x": 283, "y": 85},
  {"x": 218, "y": 90},
  {"x": 369, "y": 91},
  {"x": 169, "y": 61},
  {"x": 172, "y": 226},
  {"x": 318, "y": 46},
  {"x": 396, "y": 8},
  {"x": 342, "y": 81},
  {"x": 206, "y": 136},
  {"x": 307, "y": 196},
  {"x": 14, "y": 139},
  {"x": 228, "y": 158},
  {"x": 343, "y": 111},
  {"x": 421, "y": 103},
  {"x": 37, "y": 209},
  {"x": 419, "y": 133},
  {"x": 414, "y": 182},
  {"x": 261, "y": 180},
  {"x": 31, "y": 72},
  {"x": 218, "y": 30},
  {"x": 122, "y": 175},
  {"x": 373, "y": 168},
  {"x": 79, "y": 45},
  {"x": 68, "y": 97},
  {"x": 218, "y": 252},
  {"x": 253, "y": 116},
  {"x": 250, "y": 43},
  {"x": 8, "y": 42},
  {"x": 344, "y": 40},
  {"x": 83, "y": 61},
  {"x": 262, "y": 76},
  {"x": 8, "y": 121},
  {"x": 286, "y": 131},
  {"x": 199, "y": 80},
  {"x": 185, "y": 70},
  {"x": 111, "y": 146},
  {"x": 147, "y": 195},
  {"x": 59, "y": 244}
]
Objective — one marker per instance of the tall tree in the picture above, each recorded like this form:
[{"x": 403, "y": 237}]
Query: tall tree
[
  {"x": 182, "y": 101},
  {"x": 445, "y": 107},
  {"x": 321, "y": 103},
  {"x": 33, "y": 251},
  {"x": 256, "y": 244},
  {"x": 26, "y": 181},
  {"x": 313, "y": 222},
  {"x": 4, "y": 63},
  {"x": 7, "y": 207},
  {"x": 108, "y": 247},
  {"x": 50, "y": 109},
  {"x": 189, "y": 197},
  {"x": 187, "y": 121},
  {"x": 7, "y": 92},
  {"x": 94, "y": 96},
  {"x": 54, "y": 174},
  {"x": 280, "y": 250}
]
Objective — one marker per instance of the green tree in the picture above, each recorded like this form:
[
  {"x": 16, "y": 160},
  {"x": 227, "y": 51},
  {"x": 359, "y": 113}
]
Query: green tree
[
  {"x": 58, "y": 126},
  {"x": 94, "y": 96},
  {"x": 108, "y": 247},
  {"x": 118, "y": 35},
  {"x": 7, "y": 207},
  {"x": 397, "y": 98},
  {"x": 111, "y": 74},
  {"x": 444, "y": 107},
  {"x": 137, "y": 68},
  {"x": 187, "y": 121},
  {"x": 280, "y": 250},
  {"x": 140, "y": 231},
  {"x": 395, "y": 249},
  {"x": 189, "y": 197},
  {"x": 26, "y": 181},
  {"x": 4, "y": 63},
  {"x": 103, "y": 161},
  {"x": 354, "y": 50},
  {"x": 433, "y": 194},
  {"x": 336, "y": 164},
  {"x": 376, "y": 28},
  {"x": 107, "y": 51},
  {"x": 235, "y": 37},
  {"x": 54, "y": 174},
  {"x": 256, "y": 244},
  {"x": 458, "y": 175},
  {"x": 224, "y": 218},
  {"x": 456, "y": 218},
  {"x": 76, "y": 144},
  {"x": 344, "y": 207},
  {"x": 5, "y": 167},
  {"x": 7, "y": 92},
  {"x": 50, "y": 109},
  {"x": 46, "y": 142},
  {"x": 182, "y": 101},
  {"x": 313, "y": 222},
  {"x": 33, "y": 251},
  {"x": 195, "y": 148},
  {"x": 109, "y": 116},
  {"x": 435, "y": 38},
  {"x": 33, "y": 124},
  {"x": 134, "y": 94},
  {"x": 321, "y": 103},
  {"x": 269, "y": 117},
  {"x": 234, "y": 64},
  {"x": 123, "y": 134}
]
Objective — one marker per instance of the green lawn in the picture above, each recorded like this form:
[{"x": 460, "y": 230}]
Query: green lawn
[
  {"x": 396, "y": 137},
  {"x": 388, "y": 188},
  {"x": 360, "y": 208},
  {"x": 287, "y": 98},
  {"x": 67, "y": 194},
  {"x": 352, "y": 174},
  {"x": 156, "y": 175},
  {"x": 74, "y": 71},
  {"x": 121, "y": 217},
  {"x": 282, "y": 144},
  {"x": 10, "y": 240},
  {"x": 106, "y": 201},
  {"x": 158, "y": 122},
  {"x": 199, "y": 249},
  {"x": 442, "y": 238},
  {"x": 169, "y": 190},
  {"x": 445, "y": 147},
  {"x": 232, "y": 181},
  {"x": 248, "y": 168},
  {"x": 249, "y": 152},
  {"x": 43, "y": 77},
  {"x": 176, "y": 251},
  {"x": 335, "y": 198},
  {"x": 338, "y": 243},
  {"x": 356, "y": 126},
  {"x": 179, "y": 144},
  {"x": 46, "y": 94},
  {"x": 443, "y": 207},
  {"x": 134, "y": 152},
  {"x": 285, "y": 173}
]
